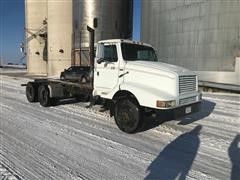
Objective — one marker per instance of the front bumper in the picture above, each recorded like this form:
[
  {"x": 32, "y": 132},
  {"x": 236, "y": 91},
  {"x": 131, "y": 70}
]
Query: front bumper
[{"x": 180, "y": 111}]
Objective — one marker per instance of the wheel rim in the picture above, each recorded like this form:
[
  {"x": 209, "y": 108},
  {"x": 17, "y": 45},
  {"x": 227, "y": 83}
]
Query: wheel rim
[
  {"x": 44, "y": 95},
  {"x": 30, "y": 92}
]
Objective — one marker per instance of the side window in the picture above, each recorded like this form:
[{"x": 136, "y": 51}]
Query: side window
[{"x": 110, "y": 53}]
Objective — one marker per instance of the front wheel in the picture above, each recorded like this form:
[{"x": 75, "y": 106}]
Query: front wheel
[
  {"x": 127, "y": 115},
  {"x": 44, "y": 98}
]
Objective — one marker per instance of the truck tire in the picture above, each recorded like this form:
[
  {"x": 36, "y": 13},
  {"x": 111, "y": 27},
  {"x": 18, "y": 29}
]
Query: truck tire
[
  {"x": 127, "y": 115},
  {"x": 43, "y": 96},
  {"x": 31, "y": 92}
]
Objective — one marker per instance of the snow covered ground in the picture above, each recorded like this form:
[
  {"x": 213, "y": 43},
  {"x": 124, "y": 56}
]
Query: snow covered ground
[{"x": 69, "y": 141}]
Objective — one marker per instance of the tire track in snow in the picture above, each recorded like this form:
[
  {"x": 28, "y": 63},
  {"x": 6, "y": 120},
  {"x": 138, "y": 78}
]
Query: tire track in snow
[{"x": 90, "y": 129}]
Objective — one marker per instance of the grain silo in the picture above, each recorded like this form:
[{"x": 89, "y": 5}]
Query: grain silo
[
  {"x": 201, "y": 35},
  {"x": 111, "y": 19},
  {"x": 35, "y": 29},
  {"x": 59, "y": 36},
  {"x": 48, "y": 40}
]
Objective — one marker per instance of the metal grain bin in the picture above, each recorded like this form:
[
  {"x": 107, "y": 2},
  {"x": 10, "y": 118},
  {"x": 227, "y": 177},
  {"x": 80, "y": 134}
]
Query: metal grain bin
[
  {"x": 111, "y": 19},
  {"x": 200, "y": 35}
]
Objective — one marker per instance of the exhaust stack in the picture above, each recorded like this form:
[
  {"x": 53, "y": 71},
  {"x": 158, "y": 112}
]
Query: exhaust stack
[{"x": 91, "y": 50}]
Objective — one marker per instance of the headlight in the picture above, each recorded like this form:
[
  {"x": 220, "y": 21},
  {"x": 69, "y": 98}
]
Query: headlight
[{"x": 165, "y": 104}]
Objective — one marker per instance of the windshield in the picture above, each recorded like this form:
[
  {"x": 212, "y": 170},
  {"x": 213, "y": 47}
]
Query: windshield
[{"x": 134, "y": 52}]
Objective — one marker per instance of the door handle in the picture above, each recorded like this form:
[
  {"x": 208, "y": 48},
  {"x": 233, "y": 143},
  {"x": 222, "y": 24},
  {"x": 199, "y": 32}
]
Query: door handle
[
  {"x": 112, "y": 67},
  {"x": 123, "y": 74},
  {"x": 97, "y": 73}
]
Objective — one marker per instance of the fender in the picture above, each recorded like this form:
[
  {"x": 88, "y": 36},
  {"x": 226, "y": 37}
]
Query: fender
[
  {"x": 55, "y": 90},
  {"x": 146, "y": 96}
]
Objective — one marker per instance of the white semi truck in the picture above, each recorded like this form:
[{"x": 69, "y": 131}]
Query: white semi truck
[{"x": 128, "y": 76}]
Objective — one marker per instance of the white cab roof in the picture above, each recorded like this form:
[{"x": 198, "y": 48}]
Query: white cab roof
[{"x": 125, "y": 41}]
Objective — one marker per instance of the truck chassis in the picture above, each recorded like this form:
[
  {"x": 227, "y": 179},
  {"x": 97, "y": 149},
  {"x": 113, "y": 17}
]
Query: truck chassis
[{"x": 48, "y": 91}]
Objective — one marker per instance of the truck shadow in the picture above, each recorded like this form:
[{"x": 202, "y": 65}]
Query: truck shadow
[
  {"x": 151, "y": 122},
  {"x": 176, "y": 159},
  {"x": 206, "y": 109}
]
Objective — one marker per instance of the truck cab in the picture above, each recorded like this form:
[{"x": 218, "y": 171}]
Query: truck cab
[
  {"x": 128, "y": 73},
  {"x": 128, "y": 76}
]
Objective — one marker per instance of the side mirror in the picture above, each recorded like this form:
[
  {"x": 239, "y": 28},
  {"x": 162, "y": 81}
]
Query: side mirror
[
  {"x": 100, "y": 53},
  {"x": 100, "y": 60}
]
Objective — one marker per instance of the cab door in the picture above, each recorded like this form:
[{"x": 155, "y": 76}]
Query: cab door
[{"x": 106, "y": 68}]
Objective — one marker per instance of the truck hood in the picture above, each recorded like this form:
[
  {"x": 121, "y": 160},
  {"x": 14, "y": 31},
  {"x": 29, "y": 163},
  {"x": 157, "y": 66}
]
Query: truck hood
[{"x": 158, "y": 67}]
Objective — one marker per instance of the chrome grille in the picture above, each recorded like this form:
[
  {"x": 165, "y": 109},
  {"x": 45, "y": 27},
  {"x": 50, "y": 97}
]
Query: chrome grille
[
  {"x": 187, "y": 84},
  {"x": 188, "y": 100}
]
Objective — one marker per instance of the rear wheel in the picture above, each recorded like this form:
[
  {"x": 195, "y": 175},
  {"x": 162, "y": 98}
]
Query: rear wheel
[
  {"x": 127, "y": 115},
  {"x": 31, "y": 92},
  {"x": 44, "y": 98}
]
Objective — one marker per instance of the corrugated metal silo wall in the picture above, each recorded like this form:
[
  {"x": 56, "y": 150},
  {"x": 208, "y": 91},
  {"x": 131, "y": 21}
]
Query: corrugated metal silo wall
[
  {"x": 114, "y": 20},
  {"x": 198, "y": 34}
]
